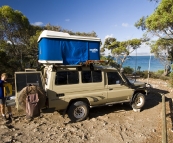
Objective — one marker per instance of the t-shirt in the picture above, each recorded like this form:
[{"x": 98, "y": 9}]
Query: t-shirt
[{"x": 1, "y": 89}]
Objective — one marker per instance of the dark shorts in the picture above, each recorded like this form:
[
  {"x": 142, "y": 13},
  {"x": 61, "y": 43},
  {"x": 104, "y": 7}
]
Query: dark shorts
[{"x": 2, "y": 101}]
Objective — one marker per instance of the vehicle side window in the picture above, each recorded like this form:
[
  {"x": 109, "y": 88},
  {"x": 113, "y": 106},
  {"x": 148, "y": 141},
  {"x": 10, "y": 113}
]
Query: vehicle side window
[
  {"x": 67, "y": 77},
  {"x": 91, "y": 76},
  {"x": 97, "y": 76},
  {"x": 86, "y": 77},
  {"x": 73, "y": 77},
  {"x": 114, "y": 78}
]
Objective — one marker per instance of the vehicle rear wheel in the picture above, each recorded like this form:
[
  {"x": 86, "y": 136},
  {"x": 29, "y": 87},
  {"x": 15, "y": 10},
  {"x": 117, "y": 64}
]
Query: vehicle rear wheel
[
  {"x": 138, "y": 101},
  {"x": 78, "y": 111}
]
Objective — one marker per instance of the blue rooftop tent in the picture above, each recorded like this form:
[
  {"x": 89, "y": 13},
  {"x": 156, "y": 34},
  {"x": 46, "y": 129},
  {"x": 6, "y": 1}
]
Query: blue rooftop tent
[{"x": 62, "y": 48}]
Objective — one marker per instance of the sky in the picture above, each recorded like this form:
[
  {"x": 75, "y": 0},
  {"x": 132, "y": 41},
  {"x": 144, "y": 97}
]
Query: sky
[{"x": 108, "y": 18}]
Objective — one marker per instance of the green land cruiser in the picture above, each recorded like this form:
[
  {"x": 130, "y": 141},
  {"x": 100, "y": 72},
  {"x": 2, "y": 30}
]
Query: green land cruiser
[{"x": 76, "y": 89}]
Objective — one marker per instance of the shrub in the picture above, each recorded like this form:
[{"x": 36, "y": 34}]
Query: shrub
[
  {"x": 160, "y": 72},
  {"x": 143, "y": 74},
  {"x": 128, "y": 70}
]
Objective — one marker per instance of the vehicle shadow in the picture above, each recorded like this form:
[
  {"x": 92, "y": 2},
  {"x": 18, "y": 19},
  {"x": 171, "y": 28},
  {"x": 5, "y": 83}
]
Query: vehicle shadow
[
  {"x": 103, "y": 110},
  {"x": 154, "y": 98},
  {"x": 48, "y": 110}
]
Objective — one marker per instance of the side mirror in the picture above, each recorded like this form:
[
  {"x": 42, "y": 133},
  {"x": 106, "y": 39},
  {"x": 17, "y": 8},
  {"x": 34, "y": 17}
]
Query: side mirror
[{"x": 121, "y": 70}]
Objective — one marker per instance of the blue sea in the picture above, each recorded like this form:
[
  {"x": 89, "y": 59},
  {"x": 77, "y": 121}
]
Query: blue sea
[{"x": 143, "y": 62}]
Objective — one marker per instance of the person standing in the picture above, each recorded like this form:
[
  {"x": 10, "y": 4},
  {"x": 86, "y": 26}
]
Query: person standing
[{"x": 2, "y": 98}]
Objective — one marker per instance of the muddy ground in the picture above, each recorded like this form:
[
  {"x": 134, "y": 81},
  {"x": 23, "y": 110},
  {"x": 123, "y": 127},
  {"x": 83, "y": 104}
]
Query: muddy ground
[{"x": 108, "y": 124}]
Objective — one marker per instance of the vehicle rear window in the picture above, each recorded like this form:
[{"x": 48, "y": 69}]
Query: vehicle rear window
[
  {"x": 25, "y": 79},
  {"x": 91, "y": 76},
  {"x": 67, "y": 77}
]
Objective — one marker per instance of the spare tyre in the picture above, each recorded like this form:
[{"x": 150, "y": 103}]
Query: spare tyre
[{"x": 31, "y": 90}]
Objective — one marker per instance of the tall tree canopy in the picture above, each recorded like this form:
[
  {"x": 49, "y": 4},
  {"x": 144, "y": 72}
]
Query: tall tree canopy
[
  {"x": 13, "y": 28},
  {"x": 160, "y": 24}
]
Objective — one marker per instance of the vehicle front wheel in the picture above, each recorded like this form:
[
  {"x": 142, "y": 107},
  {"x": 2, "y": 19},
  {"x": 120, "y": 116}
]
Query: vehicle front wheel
[
  {"x": 138, "y": 101},
  {"x": 78, "y": 111}
]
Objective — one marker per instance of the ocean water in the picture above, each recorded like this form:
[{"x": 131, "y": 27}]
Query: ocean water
[{"x": 143, "y": 62}]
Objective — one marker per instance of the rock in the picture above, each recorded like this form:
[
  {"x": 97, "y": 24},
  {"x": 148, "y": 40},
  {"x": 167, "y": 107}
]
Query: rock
[
  {"x": 136, "y": 110},
  {"x": 55, "y": 113},
  {"x": 18, "y": 142},
  {"x": 35, "y": 130},
  {"x": 154, "y": 130},
  {"x": 17, "y": 134},
  {"x": 18, "y": 119},
  {"x": 3, "y": 127},
  {"x": 93, "y": 119}
]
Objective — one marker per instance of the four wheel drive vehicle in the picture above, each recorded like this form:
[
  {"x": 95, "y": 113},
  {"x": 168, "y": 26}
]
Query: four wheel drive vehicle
[{"x": 75, "y": 89}]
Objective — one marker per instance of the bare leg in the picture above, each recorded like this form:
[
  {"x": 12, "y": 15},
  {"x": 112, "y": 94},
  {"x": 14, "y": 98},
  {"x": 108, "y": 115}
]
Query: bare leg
[{"x": 2, "y": 106}]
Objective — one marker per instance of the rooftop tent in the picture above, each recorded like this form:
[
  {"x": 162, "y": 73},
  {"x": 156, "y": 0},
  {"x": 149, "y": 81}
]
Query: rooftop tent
[{"x": 62, "y": 48}]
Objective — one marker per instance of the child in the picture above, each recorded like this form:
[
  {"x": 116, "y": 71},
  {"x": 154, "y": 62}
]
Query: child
[{"x": 2, "y": 98}]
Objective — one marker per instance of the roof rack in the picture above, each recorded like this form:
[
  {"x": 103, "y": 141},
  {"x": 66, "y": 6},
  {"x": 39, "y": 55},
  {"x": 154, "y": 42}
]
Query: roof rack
[{"x": 88, "y": 62}]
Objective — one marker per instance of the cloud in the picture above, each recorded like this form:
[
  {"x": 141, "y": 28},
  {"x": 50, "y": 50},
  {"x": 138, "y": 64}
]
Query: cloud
[
  {"x": 37, "y": 23},
  {"x": 125, "y": 25},
  {"x": 143, "y": 50},
  {"x": 67, "y": 20},
  {"x": 111, "y": 35}
]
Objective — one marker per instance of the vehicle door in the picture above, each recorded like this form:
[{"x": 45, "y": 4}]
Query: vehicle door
[
  {"x": 116, "y": 89},
  {"x": 23, "y": 79}
]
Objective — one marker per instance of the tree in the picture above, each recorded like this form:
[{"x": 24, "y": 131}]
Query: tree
[
  {"x": 121, "y": 50},
  {"x": 160, "y": 24},
  {"x": 163, "y": 49},
  {"x": 138, "y": 68},
  {"x": 13, "y": 28}
]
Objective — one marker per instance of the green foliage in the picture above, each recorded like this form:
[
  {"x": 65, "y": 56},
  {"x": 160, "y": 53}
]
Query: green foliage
[
  {"x": 141, "y": 23},
  {"x": 121, "y": 50},
  {"x": 110, "y": 61},
  {"x": 160, "y": 21},
  {"x": 160, "y": 72},
  {"x": 162, "y": 46},
  {"x": 14, "y": 34},
  {"x": 156, "y": 75},
  {"x": 160, "y": 24},
  {"x": 128, "y": 70},
  {"x": 162, "y": 18}
]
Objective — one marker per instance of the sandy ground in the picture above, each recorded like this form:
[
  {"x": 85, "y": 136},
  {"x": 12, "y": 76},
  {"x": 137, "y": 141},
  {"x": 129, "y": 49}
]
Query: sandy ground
[{"x": 108, "y": 124}]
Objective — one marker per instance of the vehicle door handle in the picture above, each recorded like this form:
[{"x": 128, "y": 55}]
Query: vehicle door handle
[{"x": 110, "y": 88}]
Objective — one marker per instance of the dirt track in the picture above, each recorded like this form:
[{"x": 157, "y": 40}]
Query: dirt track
[{"x": 111, "y": 124}]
